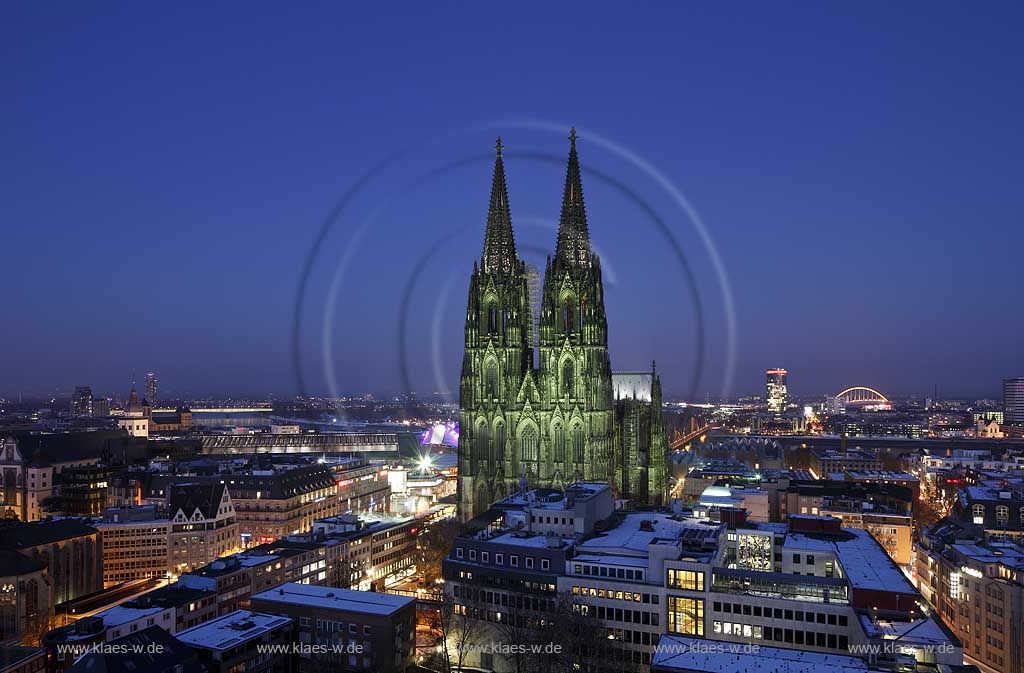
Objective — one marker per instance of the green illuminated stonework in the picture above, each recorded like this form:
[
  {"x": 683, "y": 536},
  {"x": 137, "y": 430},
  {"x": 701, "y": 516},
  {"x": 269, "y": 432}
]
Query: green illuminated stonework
[{"x": 565, "y": 417}]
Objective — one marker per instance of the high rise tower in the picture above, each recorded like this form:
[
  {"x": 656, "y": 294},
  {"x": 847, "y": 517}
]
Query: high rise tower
[
  {"x": 775, "y": 390},
  {"x": 151, "y": 388}
]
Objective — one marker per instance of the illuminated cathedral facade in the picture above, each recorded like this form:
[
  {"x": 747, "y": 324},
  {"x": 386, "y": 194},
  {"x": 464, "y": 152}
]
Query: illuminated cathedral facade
[{"x": 547, "y": 410}]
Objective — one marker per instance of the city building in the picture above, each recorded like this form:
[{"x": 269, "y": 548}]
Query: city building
[
  {"x": 243, "y": 641},
  {"x": 70, "y": 549},
  {"x": 775, "y": 390},
  {"x": 551, "y": 419},
  {"x": 1013, "y": 400},
  {"x": 179, "y": 420},
  {"x": 26, "y": 603},
  {"x": 151, "y": 388},
  {"x": 233, "y": 579},
  {"x": 272, "y": 500},
  {"x": 31, "y": 464},
  {"x": 18, "y": 659},
  {"x": 81, "y": 401},
  {"x": 380, "y": 443},
  {"x": 203, "y": 525},
  {"x": 135, "y": 544},
  {"x": 976, "y": 585},
  {"x": 82, "y": 489},
  {"x": 830, "y": 461},
  {"x": 806, "y": 583},
  {"x": 149, "y": 650},
  {"x": 379, "y": 549},
  {"x": 996, "y": 506},
  {"x": 360, "y": 630},
  {"x": 362, "y": 486},
  {"x": 884, "y": 509}
]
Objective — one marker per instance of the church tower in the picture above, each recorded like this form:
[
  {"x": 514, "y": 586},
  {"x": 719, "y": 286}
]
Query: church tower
[
  {"x": 557, "y": 421},
  {"x": 574, "y": 368},
  {"x": 498, "y": 356}
]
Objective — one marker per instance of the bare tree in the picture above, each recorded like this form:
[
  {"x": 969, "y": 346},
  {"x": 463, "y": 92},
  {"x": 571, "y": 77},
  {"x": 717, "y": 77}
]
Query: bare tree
[
  {"x": 461, "y": 631},
  {"x": 432, "y": 546}
]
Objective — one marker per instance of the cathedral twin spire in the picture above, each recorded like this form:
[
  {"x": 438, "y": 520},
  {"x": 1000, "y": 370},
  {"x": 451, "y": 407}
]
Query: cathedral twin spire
[
  {"x": 499, "y": 242},
  {"x": 573, "y": 246}
]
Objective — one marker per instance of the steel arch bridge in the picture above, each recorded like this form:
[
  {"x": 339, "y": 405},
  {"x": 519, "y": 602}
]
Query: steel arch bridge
[{"x": 862, "y": 396}]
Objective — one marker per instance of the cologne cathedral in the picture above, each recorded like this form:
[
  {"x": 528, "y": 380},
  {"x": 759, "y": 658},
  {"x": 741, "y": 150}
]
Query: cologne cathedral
[{"x": 539, "y": 403}]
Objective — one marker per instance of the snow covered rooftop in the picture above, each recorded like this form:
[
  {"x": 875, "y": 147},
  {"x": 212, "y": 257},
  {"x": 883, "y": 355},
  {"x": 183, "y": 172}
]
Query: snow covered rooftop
[
  {"x": 679, "y": 653},
  {"x": 335, "y": 599},
  {"x": 231, "y": 629}
]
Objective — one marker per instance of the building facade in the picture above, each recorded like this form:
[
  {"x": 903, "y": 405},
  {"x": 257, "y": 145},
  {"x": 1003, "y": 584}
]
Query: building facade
[
  {"x": 775, "y": 390},
  {"x": 355, "y": 630},
  {"x": 1013, "y": 400},
  {"x": 544, "y": 417}
]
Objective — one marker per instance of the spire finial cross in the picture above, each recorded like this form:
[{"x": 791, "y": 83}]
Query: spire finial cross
[{"x": 572, "y": 136}]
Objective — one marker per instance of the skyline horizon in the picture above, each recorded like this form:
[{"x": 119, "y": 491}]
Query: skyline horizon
[{"x": 854, "y": 215}]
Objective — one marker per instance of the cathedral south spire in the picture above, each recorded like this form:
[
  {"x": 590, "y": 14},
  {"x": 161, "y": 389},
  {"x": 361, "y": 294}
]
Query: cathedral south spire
[
  {"x": 499, "y": 243},
  {"x": 573, "y": 247}
]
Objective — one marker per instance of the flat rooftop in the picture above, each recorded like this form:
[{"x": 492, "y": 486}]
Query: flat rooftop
[
  {"x": 679, "y": 653},
  {"x": 865, "y": 564},
  {"x": 348, "y": 600},
  {"x": 230, "y": 630}
]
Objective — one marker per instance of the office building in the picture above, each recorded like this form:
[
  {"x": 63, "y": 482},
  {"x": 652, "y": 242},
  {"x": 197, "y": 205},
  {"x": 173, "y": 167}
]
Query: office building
[
  {"x": 807, "y": 583},
  {"x": 151, "y": 389},
  {"x": 1013, "y": 400},
  {"x": 361, "y": 630},
  {"x": 135, "y": 544}
]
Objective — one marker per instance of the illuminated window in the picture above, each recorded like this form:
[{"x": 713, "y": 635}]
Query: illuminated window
[
  {"x": 686, "y": 615},
  {"x": 978, "y": 512},
  {"x": 690, "y": 580}
]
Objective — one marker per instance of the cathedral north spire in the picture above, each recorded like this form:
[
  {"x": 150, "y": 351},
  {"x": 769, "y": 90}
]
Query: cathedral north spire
[
  {"x": 573, "y": 248},
  {"x": 499, "y": 243}
]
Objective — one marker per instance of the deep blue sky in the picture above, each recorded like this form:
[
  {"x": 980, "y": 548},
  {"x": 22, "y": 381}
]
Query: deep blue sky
[{"x": 164, "y": 176}]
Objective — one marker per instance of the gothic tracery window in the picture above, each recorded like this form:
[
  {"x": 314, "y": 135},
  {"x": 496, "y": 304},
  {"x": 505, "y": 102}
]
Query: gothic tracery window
[
  {"x": 491, "y": 381},
  {"x": 567, "y": 378},
  {"x": 559, "y": 441},
  {"x": 577, "y": 445},
  {"x": 528, "y": 446}
]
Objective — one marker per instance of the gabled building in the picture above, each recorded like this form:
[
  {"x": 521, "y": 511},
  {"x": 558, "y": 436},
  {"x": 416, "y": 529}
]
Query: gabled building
[{"x": 203, "y": 525}]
